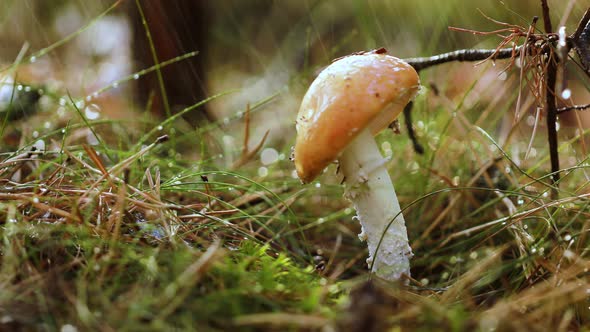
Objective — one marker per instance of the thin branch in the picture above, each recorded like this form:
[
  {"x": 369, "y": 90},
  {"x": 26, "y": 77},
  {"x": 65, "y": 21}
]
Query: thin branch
[
  {"x": 551, "y": 102},
  {"x": 411, "y": 133},
  {"x": 573, "y": 108},
  {"x": 462, "y": 56},
  {"x": 546, "y": 17}
]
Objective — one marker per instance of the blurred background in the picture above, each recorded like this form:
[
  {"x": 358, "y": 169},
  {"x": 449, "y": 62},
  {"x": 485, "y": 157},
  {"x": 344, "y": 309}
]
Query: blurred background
[{"x": 262, "y": 48}]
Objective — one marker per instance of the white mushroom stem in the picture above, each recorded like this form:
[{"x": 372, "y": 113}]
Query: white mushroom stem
[{"x": 369, "y": 188}]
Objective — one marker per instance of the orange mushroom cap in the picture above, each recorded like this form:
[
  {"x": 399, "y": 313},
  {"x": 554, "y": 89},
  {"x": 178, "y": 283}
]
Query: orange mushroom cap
[{"x": 353, "y": 93}]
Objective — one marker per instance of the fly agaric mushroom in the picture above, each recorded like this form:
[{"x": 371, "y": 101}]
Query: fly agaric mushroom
[{"x": 350, "y": 101}]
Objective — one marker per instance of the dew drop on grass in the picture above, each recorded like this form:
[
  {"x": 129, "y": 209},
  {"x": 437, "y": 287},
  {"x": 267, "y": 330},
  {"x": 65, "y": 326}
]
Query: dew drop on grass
[
  {"x": 27, "y": 89},
  {"x": 347, "y": 211},
  {"x": 92, "y": 112},
  {"x": 115, "y": 85},
  {"x": 35, "y": 134},
  {"x": 321, "y": 220},
  {"x": 47, "y": 125},
  {"x": 160, "y": 128},
  {"x": 318, "y": 185},
  {"x": 33, "y": 59},
  {"x": 520, "y": 201},
  {"x": 473, "y": 255},
  {"x": 35, "y": 200},
  {"x": 136, "y": 76},
  {"x": 424, "y": 281},
  {"x": 269, "y": 156},
  {"x": 566, "y": 94},
  {"x": 262, "y": 171},
  {"x": 19, "y": 87},
  {"x": 62, "y": 101},
  {"x": 567, "y": 237},
  {"x": 39, "y": 145}
]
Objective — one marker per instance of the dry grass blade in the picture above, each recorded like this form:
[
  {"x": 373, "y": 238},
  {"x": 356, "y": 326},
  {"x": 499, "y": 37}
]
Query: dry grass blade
[
  {"x": 462, "y": 285},
  {"x": 248, "y": 155}
]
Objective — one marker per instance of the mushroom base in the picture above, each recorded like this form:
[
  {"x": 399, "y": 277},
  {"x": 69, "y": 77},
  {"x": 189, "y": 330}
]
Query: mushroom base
[{"x": 369, "y": 188}]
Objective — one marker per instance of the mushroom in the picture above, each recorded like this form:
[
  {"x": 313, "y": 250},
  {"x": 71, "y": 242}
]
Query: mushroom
[{"x": 350, "y": 101}]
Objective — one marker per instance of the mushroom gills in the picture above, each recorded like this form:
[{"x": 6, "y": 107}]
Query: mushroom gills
[{"x": 370, "y": 190}]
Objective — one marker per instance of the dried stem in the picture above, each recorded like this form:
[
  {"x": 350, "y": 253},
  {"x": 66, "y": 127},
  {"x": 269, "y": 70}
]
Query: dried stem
[{"x": 551, "y": 102}]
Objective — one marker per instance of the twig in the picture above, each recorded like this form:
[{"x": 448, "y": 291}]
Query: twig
[
  {"x": 546, "y": 17},
  {"x": 551, "y": 103},
  {"x": 462, "y": 56},
  {"x": 573, "y": 108},
  {"x": 411, "y": 133}
]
